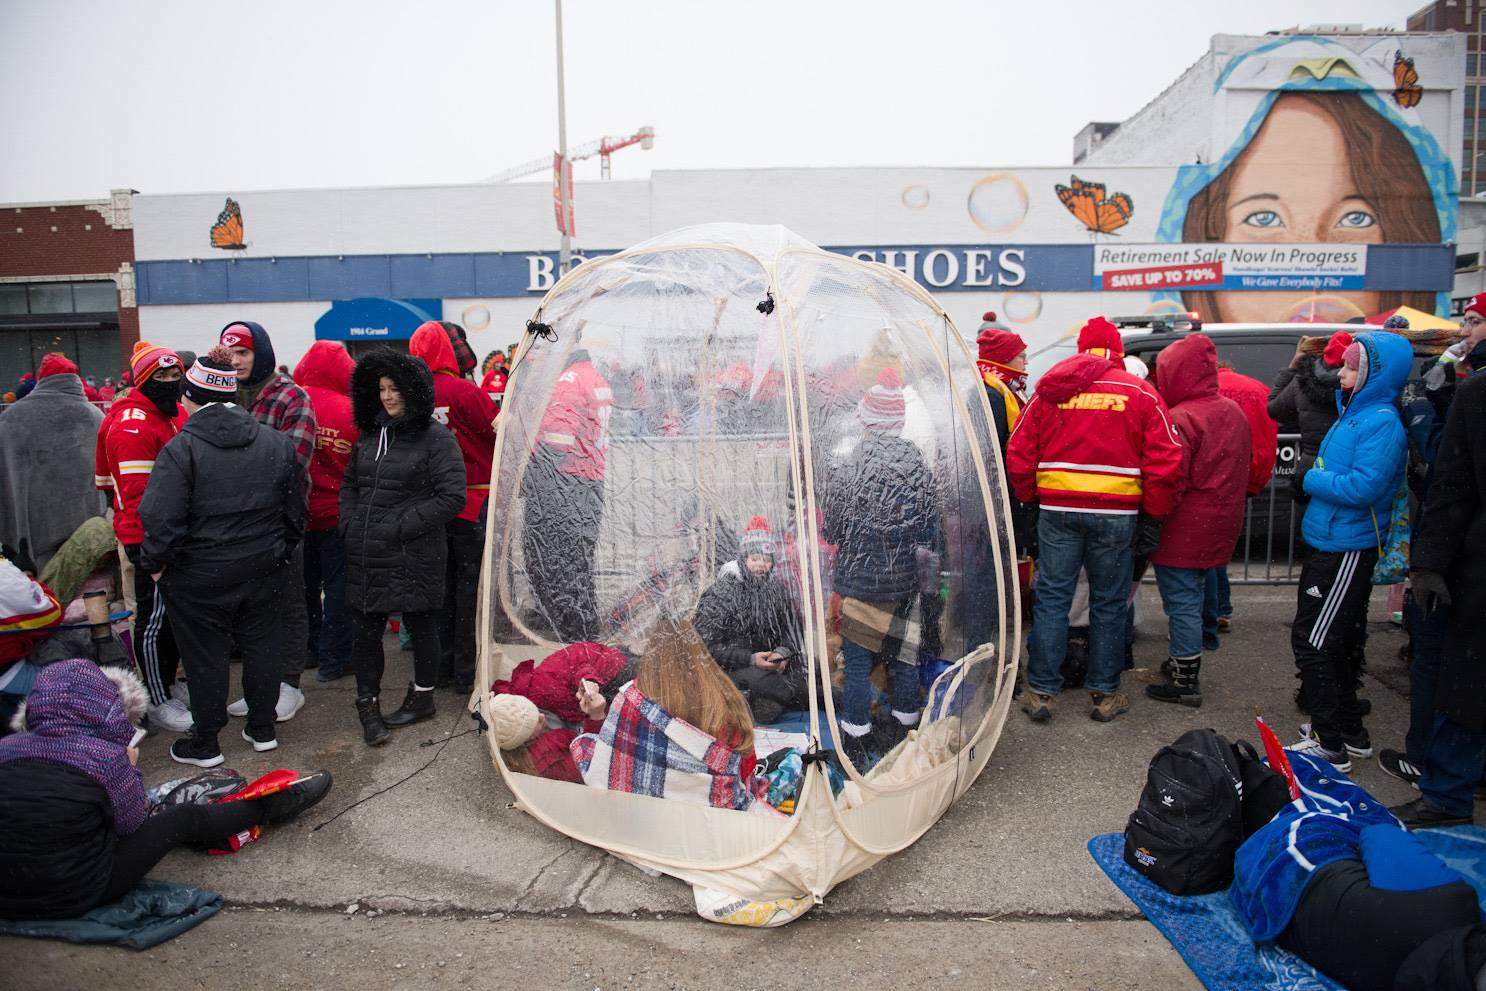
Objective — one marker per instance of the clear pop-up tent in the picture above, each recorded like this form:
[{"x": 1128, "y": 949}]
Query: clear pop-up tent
[{"x": 727, "y": 436}]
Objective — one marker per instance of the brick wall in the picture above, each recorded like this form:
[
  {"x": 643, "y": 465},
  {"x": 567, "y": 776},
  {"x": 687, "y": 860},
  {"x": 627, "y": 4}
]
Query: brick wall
[{"x": 74, "y": 241}]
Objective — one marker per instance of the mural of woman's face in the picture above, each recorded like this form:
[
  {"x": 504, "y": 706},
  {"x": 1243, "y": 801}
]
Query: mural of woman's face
[{"x": 1294, "y": 185}]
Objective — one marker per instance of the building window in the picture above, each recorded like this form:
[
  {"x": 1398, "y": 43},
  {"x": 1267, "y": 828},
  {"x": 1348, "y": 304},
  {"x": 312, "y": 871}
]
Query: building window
[
  {"x": 21, "y": 298},
  {"x": 1472, "y": 63}
]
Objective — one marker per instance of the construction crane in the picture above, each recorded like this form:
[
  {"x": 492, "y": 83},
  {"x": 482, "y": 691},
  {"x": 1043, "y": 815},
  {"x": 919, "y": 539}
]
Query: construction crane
[{"x": 603, "y": 148}]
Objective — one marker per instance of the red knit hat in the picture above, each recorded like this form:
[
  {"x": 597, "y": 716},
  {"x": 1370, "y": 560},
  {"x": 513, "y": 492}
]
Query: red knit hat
[
  {"x": 1101, "y": 337},
  {"x": 756, "y": 539},
  {"x": 235, "y": 335},
  {"x": 882, "y": 407},
  {"x": 55, "y": 363},
  {"x": 1000, "y": 346},
  {"x": 1477, "y": 304},
  {"x": 148, "y": 358},
  {"x": 1335, "y": 348}
]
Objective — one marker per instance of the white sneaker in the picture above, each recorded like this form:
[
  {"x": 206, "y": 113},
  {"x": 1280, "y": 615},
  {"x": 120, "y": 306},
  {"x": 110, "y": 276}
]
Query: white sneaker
[
  {"x": 181, "y": 692},
  {"x": 1336, "y": 758},
  {"x": 291, "y": 700},
  {"x": 171, "y": 715}
]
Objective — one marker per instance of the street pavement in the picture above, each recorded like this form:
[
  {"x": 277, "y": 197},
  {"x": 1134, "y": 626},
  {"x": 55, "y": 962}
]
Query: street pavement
[{"x": 436, "y": 862}]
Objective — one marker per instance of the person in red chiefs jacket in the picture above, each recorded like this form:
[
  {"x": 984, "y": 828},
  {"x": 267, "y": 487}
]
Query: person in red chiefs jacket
[
  {"x": 1096, "y": 450},
  {"x": 563, "y": 491},
  {"x": 137, "y": 426},
  {"x": 324, "y": 373},
  {"x": 467, "y": 411},
  {"x": 1202, "y": 530}
]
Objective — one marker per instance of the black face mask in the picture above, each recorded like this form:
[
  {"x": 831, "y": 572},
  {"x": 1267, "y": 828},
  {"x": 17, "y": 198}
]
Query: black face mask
[{"x": 165, "y": 395}]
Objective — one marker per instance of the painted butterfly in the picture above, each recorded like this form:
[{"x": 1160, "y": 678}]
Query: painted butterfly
[
  {"x": 227, "y": 232},
  {"x": 1087, "y": 202},
  {"x": 1407, "y": 92}
]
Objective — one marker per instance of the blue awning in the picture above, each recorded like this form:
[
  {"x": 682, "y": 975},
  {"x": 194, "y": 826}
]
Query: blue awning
[{"x": 375, "y": 319}]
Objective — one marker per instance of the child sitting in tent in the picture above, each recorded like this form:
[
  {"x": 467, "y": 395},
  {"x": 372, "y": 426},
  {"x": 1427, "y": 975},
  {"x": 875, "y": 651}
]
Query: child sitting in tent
[
  {"x": 571, "y": 689},
  {"x": 680, "y": 730},
  {"x": 752, "y": 627}
]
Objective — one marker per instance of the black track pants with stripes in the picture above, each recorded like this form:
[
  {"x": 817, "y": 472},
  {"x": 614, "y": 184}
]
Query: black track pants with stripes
[{"x": 1330, "y": 620}]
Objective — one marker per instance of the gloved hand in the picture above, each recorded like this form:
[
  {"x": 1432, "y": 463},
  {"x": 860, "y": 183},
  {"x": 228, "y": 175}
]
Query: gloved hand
[
  {"x": 1147, "y": 536},
  {"x": 1430, "y": 589}
]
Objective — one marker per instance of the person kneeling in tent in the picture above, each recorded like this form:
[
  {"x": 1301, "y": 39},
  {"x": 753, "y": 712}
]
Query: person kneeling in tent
[
  {"x": 680, "y": 730},
  {"x": 571, "y": 691},
  {"x": 76, "y": 830},
  {"x": 752, "y": 628}
]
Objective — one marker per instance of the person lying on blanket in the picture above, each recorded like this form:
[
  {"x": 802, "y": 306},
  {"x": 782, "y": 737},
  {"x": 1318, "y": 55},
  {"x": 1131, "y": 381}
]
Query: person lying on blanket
[
  {"x": 572, "y": 688},
  {"x": 76, "y": 830},
  {"x": 1335, "y": 879},
  {"x": 751, "y": 625},
  {"x": 680, "y": 730}
]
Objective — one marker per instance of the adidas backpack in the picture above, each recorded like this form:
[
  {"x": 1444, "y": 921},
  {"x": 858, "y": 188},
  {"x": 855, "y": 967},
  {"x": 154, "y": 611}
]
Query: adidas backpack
[{"x": 1188, "y": 825}]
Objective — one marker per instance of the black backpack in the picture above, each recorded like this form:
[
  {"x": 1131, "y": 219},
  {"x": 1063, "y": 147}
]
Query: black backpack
[{"x": 1189, "y": 822}]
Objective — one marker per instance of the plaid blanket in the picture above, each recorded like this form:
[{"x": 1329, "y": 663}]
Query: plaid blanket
[
  {"x": 644, "y": 750},
  {"x": 891, "y": 630}
]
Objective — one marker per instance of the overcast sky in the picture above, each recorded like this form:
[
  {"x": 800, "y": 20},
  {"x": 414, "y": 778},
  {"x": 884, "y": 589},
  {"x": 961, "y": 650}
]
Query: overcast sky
[{"x": 192, "y": 95}]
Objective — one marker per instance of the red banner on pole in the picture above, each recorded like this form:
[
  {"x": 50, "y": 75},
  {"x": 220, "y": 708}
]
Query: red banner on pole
[{"x": 563, "y": 211}]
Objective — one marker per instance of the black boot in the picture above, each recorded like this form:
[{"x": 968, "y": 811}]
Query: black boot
[
  {"x": 1183, "y": 687},
  {"x": 284, "y": 805},
  {"x": 416, "y": 707},
  {"x": 373, "y": 729}
]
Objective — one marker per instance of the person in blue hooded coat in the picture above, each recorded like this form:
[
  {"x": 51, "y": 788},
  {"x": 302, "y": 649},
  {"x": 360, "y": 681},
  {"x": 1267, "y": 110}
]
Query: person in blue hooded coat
[{"x": 1351, "y": 484}]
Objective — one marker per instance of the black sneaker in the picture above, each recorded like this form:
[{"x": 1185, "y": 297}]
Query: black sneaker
[
  {"x": 261, "y": 737},
  {"x": 854, "y": 749},
  {"x": 1396, "y": 763},
  {"x": 196, "y": 750},
  {"x": 1419, "y": 814},
  {"x": 284, "y": 805}
]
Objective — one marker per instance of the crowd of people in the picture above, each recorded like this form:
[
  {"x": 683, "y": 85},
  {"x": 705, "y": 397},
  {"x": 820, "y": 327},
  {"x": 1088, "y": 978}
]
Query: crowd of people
[
  {"x": 1126, "y": 467},
  {"x": 287, "y": 519}
]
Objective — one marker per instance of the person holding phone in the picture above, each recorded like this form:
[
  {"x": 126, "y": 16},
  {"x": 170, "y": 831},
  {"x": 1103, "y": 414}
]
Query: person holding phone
[{"x": 752, "y": 628}]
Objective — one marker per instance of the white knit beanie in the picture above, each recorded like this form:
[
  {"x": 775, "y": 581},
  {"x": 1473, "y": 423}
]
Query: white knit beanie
[{"x": 514, "y": 719}]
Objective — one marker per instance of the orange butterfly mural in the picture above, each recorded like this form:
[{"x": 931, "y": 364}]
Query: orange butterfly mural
[
  {"x": 227, "y": 232},
  {"x": 1407, "y": 92},
  {"x": 1087, "y": 202}
]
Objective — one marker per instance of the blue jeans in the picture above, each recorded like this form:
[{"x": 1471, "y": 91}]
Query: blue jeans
[
  {"x": 1217, "y": 601},
  {"x": 1427, "y": 648},
  {"x": 1182, "y": 595},
  {"x": 857, "y": 701},
  {"x": 330, "y": 624},
  {"x": 1100, "y": 544},
  {"x": 1452, "y": 765}
]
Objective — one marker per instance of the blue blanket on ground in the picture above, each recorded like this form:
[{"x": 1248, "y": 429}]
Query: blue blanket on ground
[
  {"x": 151, "y": 913},
  {"x": 1206, "y": 931}
]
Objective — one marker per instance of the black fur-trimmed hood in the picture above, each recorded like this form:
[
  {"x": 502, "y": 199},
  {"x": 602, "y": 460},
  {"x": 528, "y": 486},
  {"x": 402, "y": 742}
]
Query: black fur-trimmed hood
[
  {"x": 413, "y": 380},
  {"x": 1319, "y": 382}
]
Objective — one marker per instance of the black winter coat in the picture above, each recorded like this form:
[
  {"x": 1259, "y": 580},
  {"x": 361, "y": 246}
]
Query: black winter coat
[
  {"x": 56, "y": 841},
  {"x": 1304, "y": 400},
  {"x": 1451, "y": 540},
  {"x": 879, "y": 510},
  {"x": 740, "y": 615},
  {"x": 403, "y": 484},
  {"x": 225, "y": 503}
]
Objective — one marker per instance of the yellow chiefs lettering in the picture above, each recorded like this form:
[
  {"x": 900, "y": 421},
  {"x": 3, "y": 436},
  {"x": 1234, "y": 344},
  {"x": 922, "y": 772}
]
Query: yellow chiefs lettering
[
  {"x": 1096, "y": 400},
  {"x": 329, "y": 438}
]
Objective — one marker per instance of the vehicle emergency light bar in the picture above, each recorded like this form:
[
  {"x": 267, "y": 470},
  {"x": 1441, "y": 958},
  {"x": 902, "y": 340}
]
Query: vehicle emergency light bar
[{"x": 1160, "y": 323}]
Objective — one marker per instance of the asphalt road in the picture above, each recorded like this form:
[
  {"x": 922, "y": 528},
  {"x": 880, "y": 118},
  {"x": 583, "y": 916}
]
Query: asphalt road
[{"x": 1001, "y": 893}]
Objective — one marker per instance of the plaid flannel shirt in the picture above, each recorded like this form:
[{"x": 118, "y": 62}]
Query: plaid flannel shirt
[{"x": 286, "y": 408}]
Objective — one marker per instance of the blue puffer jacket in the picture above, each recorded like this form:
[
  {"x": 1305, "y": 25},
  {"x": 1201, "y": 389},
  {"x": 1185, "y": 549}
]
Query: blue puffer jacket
[
  {"x": 1362, "y": 458},
  {"x": 1322, "y": 826}
]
